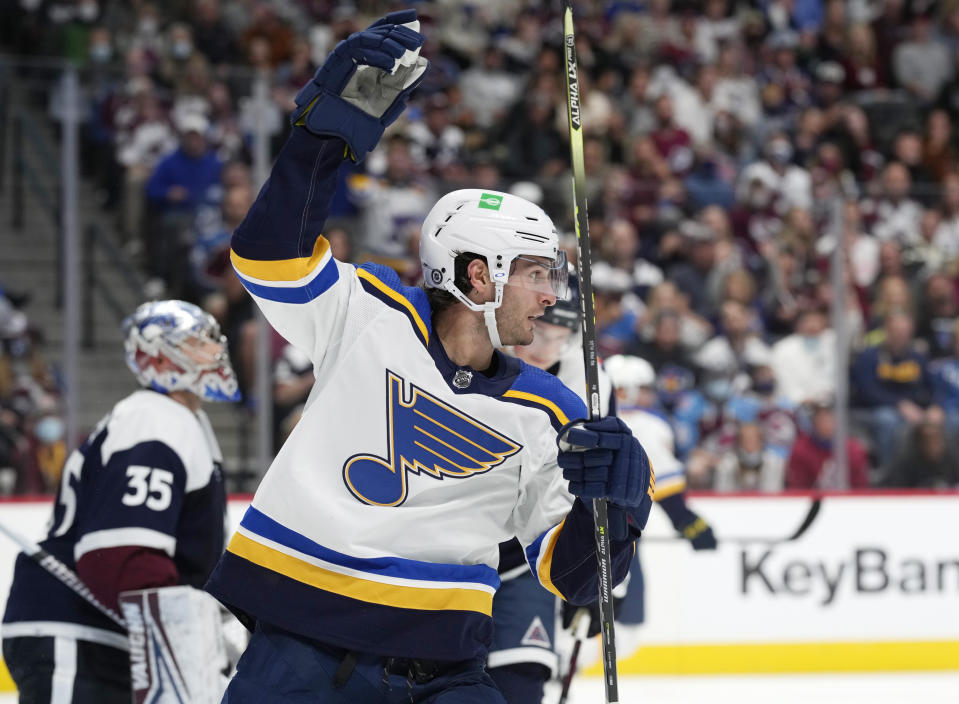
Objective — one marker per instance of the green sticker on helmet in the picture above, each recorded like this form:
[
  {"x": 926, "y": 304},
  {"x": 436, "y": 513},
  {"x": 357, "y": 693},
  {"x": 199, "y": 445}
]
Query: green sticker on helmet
[{"x": 490, "y": 201}]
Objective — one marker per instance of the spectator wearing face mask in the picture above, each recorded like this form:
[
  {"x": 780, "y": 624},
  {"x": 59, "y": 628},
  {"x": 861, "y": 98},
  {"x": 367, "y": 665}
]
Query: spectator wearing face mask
[
  {"x": 764, "y": 404},
  {"x": 791, "y": 185},
  {"x": 48, "y": 451},
  {"x": 804, "y": 363},
  {"x": 749, "y": 465},
  {"x": 178, "y": 48}
]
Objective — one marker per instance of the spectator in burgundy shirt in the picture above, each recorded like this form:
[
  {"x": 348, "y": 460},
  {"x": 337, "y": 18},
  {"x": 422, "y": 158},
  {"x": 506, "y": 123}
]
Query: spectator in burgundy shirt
[
  {"x": 811, "y": 464},
  {"x": 672, "y": 142}
]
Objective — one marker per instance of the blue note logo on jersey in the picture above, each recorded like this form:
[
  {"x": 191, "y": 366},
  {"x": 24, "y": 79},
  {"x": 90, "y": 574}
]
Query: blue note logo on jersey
[{"x": 423, "y": 434}]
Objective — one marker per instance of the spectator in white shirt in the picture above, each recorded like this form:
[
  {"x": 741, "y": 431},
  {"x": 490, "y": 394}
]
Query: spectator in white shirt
[
  {"x": 805, "y": 362},
  {"x": 947, "y": 234},
  {"x": 792, "y": 184},
  {"x": 922, "y": 64},
  {"x": 896, "y": 214}
]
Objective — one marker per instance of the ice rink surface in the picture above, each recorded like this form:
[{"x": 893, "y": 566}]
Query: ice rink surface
[{"x": 871, "y": 688}]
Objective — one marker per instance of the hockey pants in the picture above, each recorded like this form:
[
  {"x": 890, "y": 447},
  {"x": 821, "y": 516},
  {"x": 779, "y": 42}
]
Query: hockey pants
[{"x": 281, "y": 667}]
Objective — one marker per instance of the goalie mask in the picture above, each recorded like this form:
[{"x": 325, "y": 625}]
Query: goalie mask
[
  {"x": 498, "y": 226},
  {"x": 177, "y": 346}
]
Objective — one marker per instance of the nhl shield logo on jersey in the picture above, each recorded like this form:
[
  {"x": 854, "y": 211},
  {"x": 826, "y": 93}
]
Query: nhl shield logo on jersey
[
  {"x": 423, "y": 435},
  {"x": 462, "y": 378},
  {"x": 536, "y": 634}
]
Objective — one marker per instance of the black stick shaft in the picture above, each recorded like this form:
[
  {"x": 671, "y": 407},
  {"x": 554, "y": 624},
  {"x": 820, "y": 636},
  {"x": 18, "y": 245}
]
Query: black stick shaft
[
  {"x": 580, "y": 628},
  {"x": 61, "y": 572},
  {"x": 600, "y": 515}
]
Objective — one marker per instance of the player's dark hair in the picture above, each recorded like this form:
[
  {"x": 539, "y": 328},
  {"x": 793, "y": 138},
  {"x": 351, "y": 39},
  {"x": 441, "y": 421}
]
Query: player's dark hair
[{"x": 441, "y": 299}]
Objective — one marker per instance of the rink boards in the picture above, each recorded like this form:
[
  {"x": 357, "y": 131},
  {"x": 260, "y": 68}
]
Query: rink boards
[{"x": 871, "y": 585}]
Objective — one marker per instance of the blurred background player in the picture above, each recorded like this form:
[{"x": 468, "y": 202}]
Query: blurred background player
[
  {"x": 141, "y": 504},
  {"x": 634, "y": 381},
  {"x": 523, "y": 657}
]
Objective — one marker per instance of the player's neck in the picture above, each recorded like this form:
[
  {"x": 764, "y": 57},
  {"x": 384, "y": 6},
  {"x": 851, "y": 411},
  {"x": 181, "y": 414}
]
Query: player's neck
[
  {"x": 463, "y": 335},
  {"x": 188, "y": 399}
]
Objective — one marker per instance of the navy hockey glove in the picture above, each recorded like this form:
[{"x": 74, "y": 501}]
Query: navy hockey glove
[
  {"x": 364, "y": 84},
  {"x": 700, "y": 535},
  {"x": 602, "y": 460}
]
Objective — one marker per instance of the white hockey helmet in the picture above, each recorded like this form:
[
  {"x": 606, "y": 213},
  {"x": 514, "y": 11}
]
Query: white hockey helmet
[
  {"x": 500, "y": 227},
  {"x": 629, "y": 374},
  {"x": 174, "y": 331}
]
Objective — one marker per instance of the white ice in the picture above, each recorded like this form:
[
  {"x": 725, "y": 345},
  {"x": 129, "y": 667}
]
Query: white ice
[{"x": 868, "y": 688}]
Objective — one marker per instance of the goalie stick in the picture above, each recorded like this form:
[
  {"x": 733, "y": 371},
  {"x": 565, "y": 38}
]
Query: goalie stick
[
  {"x": 63, "y": 573},
  {"x": 600, "y": 506}
]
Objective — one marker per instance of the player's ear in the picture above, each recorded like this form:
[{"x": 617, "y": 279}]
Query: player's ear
[{"x": 482, "y": 285}]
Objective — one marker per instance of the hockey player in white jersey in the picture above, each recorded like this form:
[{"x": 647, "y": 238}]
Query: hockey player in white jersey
[
  {"x": 141, "y": 505},
  {"x": 367, "y": 561},
  {"x": 634, "y": 383}
]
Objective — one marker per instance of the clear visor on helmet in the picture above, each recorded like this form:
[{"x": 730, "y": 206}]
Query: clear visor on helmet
[{"x": 542, "y": 275}]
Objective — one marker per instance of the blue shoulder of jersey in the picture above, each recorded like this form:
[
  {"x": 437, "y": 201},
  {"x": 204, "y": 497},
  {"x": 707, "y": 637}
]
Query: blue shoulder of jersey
[
  {"x": 383, "y": 283},
  {"x": 538, "y": 389}
]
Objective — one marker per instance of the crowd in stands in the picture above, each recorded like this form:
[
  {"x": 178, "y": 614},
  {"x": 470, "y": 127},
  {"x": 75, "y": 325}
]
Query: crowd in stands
[
  {"x": 32, "y": 442},
  {"x": 732, "y": 147}
]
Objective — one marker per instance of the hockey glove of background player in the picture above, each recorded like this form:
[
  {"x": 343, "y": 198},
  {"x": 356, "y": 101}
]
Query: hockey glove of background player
[
  {"x": 602, "y": 460},
  {"x": 700, "y": 535},
  {"x": 364, "y": 84},
  {"x": 688, "y": 523}
]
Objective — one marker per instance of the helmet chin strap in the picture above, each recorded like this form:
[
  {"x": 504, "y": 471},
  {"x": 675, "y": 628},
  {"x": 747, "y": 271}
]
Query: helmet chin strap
[
  {"x": 488, "y": 309},
  {"x": 489, "y": 315}
]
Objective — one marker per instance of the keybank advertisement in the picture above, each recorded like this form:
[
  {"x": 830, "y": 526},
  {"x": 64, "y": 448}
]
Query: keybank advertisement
[
  {"x": 870, "y": 583},
  {"x": 866, "y": 567}
]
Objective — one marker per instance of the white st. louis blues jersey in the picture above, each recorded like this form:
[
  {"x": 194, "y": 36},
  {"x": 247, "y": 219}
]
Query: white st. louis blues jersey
[
  {"x": 376, "y": 527},
  {"x": 656, "y": 435}
]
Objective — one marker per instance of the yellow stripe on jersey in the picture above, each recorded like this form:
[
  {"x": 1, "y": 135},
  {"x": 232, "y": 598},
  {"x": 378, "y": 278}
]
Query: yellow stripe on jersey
[
  {"x": 282, "y": 269},
  {"x": 402, "y": 597},
  {"x": 387, "y": 291},
  {"x": 668, "y": 489},
  {"x": 526, "y": 396},
  {"x": 546, "y": 561}
]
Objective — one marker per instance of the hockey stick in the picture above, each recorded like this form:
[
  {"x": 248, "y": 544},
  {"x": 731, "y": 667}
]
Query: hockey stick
[
  {"x": 61, "y": 572},
  {"x": 807, "y": 521},
  {"x": 580, "y": 628},
  {"x": 600, "y": 506}
]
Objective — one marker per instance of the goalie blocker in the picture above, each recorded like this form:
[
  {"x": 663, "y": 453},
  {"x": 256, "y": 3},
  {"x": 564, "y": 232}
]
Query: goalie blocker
[{"x": 177, "y": 648}]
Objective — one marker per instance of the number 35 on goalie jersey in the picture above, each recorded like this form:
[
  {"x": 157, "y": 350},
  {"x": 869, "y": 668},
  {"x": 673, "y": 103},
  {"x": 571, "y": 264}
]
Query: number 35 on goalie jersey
[{"x": 148, "y": 476}]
